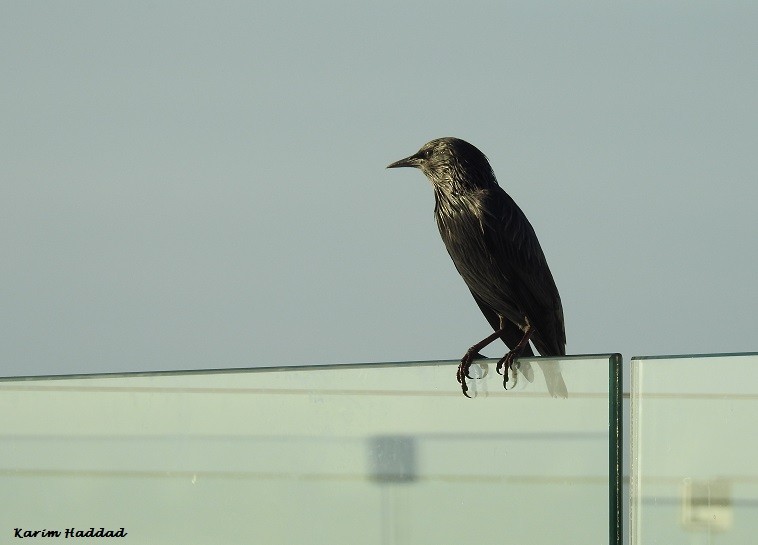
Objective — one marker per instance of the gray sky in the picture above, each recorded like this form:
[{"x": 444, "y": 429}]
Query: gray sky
[{"x": 202, "y": 184}]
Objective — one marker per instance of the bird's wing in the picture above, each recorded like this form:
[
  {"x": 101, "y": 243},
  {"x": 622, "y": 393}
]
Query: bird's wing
[{"x": 513, "y": 244}]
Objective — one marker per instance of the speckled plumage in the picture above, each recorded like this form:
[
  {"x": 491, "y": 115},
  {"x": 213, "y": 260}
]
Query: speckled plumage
[{"x": 493, "y": 247}]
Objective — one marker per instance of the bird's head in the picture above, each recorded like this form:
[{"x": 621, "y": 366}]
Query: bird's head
[{"x": 451, "y": 163}]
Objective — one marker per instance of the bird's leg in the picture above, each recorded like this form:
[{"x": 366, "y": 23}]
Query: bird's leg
[
  {"x": 506, "y": 361},
  {"x": 470, "y": 356}
]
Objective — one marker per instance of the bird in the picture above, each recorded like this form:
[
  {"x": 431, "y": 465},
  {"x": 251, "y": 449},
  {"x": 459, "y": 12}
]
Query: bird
[{"x": 496, "y": 251}]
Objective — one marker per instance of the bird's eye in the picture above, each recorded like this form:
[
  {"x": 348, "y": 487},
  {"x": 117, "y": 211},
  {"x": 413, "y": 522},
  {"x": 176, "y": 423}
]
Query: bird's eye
[{"x": 425, "y": 154}]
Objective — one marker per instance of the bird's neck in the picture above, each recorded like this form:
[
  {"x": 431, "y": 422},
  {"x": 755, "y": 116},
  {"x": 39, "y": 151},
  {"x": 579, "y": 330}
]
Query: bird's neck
[
  {"x": 451, "y": 204},
  {"x": 453, "y": 187}
]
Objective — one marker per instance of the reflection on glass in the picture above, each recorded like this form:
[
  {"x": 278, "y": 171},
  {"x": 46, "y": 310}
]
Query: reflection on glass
[
  {"x": 389, "y": 453},
  {"x": 694, "y": 449}
]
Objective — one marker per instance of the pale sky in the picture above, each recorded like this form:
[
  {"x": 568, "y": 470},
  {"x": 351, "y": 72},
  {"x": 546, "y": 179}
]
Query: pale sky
[{"x": 193, "y": 185}]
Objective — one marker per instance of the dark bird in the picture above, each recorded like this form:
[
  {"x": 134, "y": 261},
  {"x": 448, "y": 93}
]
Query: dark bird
[{"x": 496, "y": 251}]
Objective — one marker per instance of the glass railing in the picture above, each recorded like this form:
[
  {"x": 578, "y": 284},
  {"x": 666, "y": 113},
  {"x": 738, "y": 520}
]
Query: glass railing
[
  {"x": 694, "y": 450},
  {"x": 369, "y": 454}
]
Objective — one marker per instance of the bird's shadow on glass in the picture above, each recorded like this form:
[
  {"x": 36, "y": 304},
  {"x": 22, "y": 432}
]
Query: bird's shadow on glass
[{"x": 523, "y": 376}]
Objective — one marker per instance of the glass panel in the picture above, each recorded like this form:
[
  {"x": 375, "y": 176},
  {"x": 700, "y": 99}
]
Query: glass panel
[
  {"x": 694, "y": 449},
  {"x": 363, "y": 454}
]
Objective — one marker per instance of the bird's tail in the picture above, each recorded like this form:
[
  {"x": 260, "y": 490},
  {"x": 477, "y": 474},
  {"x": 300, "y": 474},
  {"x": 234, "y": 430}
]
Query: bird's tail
[{"x": 551, "y": 369}]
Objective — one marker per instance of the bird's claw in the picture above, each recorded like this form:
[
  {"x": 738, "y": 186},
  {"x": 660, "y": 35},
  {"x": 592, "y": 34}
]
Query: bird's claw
[
  {"x": 505, "y": 364},
  {"x": 463, "y": 371}
]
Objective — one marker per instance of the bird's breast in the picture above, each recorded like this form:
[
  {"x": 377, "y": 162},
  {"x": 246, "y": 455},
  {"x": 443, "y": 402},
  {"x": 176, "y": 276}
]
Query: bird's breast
[{"x": 463, "y": 229}]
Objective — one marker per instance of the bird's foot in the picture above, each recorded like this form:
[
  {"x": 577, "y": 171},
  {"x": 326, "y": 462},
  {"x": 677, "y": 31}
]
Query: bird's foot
[
  {"x": 505, "y": 364},
  {"x": 463, "y": 368}
]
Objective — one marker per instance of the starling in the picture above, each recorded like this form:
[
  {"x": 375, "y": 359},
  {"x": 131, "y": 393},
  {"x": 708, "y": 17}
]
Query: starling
[{"x": 496, "y": 251}]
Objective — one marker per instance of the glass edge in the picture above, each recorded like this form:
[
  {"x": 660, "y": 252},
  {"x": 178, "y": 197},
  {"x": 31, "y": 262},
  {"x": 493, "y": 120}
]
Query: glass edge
[
  {"x": 616, "y": 451},
  {"x": 634, "y": 482},
  {"x": 278, "y": 368},
  {"x": 682, "y": 356}
]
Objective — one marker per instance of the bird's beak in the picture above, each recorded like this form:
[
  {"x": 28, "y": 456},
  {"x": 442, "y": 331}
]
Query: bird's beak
[{"x": 412, "y": 161}]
